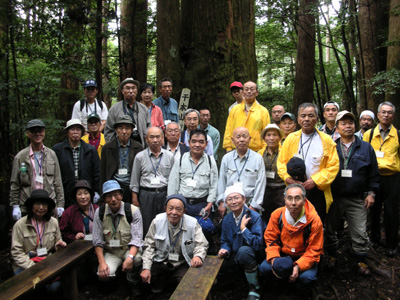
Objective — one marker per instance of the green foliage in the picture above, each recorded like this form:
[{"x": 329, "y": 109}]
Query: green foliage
[{"x": 386, "y": 82}]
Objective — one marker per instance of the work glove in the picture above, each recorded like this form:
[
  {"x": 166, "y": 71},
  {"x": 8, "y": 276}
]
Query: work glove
[
  {"x": 96, "y": 197},
  {"x": 60, "y": 211},
  {"x": 16, "y": 212}
]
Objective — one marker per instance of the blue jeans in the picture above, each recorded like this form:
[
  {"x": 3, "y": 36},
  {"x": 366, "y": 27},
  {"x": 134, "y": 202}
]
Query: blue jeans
[
  {"x": 304, "y": 278},
  {"x": 245, "y": 256}
]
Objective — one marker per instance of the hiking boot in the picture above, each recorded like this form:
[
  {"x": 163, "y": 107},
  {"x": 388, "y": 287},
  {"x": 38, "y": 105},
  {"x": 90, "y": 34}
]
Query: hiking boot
[
  {"x": 159, "y": 285},
  {"x": 254, "y": 293},
  {"x": 362, "y": 269},
  {"x": 330, "y": 265}
]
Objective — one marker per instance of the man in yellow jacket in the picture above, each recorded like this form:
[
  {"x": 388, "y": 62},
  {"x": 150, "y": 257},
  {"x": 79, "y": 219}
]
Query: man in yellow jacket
[
  {"x": 320, "y": 157},
  {"x": 249, "y": 114},
  {"x": 95, "y": 137},
  {"x": 385, "y": 141}
]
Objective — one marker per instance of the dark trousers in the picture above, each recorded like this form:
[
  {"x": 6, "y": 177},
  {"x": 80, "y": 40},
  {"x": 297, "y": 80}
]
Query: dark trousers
[
  {"x": 317, "y": 198},
  {"x": 160, "y": 270},
  {"x": 151, "y": 204},
  {"x": 389, "y": 195},
  {"x": 273, "y": 199},
  {"x": 245, "y": 257},
  {"x": 127, "y": 192}
]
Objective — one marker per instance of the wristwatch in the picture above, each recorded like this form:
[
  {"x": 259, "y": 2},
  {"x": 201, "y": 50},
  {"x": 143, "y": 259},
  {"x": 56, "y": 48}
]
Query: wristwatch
[
  {"x": 131, "y": 256},
  {"x": 371, "y": 193}
]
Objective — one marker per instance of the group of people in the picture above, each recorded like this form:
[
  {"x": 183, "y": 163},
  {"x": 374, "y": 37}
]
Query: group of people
[{"x": 151, "y": 199}]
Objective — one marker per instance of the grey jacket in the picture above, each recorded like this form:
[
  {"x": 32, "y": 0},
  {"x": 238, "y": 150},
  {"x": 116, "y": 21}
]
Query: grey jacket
[
  {"x": 142, "y": 120},
  {"x": 22, "y": 185}
]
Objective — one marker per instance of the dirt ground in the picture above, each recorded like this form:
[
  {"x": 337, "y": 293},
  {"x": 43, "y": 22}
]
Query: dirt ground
[{"x": 343, "y": 283}]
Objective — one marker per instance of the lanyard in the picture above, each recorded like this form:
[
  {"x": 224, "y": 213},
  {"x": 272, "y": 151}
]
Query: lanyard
[
  {"x": 156, "y": 168},
  {"x": 171, "y": 242},
  {"x": 122, "y": 159},
  {"x": 39, "y": 163},
  {"x": 115, "y": 223},
  {"x": 91, "y": 111},
  {"x": 195, "y": 170},
  {"x": 237, "y": 170},
  {"x": 302, "y": 145},
  {"x": 39, "y": 234},
  {"x": 270, "y": 162},
  {"x": 346, "y": 159}
]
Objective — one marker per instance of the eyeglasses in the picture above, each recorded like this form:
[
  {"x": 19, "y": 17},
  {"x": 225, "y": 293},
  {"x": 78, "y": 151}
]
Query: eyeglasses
[
  {"x": 115, "y": 194},
  {"x": 235, "y": 198}
]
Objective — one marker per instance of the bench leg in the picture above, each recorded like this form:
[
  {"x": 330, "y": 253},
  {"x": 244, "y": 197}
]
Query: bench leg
[{"x": 70, "y": 284}]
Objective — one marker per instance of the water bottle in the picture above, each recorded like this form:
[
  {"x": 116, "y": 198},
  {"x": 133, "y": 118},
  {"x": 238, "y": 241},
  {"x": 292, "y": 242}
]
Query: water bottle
[{"x": 23, "y": 168}]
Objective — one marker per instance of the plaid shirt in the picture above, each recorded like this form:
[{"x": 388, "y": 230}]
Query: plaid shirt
[{"x": 335, "y": 135}]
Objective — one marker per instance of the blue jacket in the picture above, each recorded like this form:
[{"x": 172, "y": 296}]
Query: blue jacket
[
  {"x": 365, "y": 172},
  {"x": 169, "y": 110},
  {"x": 232, "y": 237}
]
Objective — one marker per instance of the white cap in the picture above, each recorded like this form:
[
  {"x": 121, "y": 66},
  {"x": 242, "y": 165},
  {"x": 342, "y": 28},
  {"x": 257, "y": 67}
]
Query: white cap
[
  {"x": 73, "y": 122},
  {"x": 233, "y": 189},
  {"x": 368, "y": 113}
]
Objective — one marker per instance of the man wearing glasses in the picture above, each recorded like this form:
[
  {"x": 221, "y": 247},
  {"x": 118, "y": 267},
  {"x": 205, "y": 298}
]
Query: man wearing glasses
[
  {"x": 118, "y": 237},
  {"x": 384, "y": 138},
  {"x": 90, "y": 105}
]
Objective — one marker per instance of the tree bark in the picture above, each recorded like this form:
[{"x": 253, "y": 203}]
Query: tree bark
[
  {"x": 372, "y": 22},
  {"x": 305, "y": 62},
  {"x": 134, "y": 39},
  {"x": 99, "y": 45},
  {"x": 393, "y": 54}
]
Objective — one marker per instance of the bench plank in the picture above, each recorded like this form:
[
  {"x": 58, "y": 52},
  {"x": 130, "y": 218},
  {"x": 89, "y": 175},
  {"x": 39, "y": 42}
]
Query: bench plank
[
  {"x": 46, "y": 270},
  {"x": 197, "y": 282}
]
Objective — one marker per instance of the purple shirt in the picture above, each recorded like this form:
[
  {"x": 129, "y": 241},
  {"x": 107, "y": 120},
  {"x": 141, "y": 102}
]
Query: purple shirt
[{"x": 71, "y": 222}]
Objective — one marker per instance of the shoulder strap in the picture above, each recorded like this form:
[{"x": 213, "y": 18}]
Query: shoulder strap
[
  {"x": 82, "y": 103},
  {"x": 278, "y": 239},
  {"x": 209, "y": 161},
  {"x": 128, "y": 212},
  {"x": 100, "y": 103},
  {"x": 372, "y": 133},
  {"x": 180, "y": 160},
  {"x": 102, "y": 209},
  {"x": 280, "y": 222},
  {"x": 306, "y": 233}
]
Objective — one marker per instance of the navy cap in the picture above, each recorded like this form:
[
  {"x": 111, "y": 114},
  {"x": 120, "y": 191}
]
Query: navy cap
[
  {"x": 90, "y": 82},
  {"x": 283, "y": 267},
  {"x": 296, "y": 168},
  {"x": 176, "y": 196}
]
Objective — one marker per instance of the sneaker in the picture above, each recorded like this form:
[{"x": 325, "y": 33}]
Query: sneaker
[
  {"x": 362, "y": 269},
  {"x": 254, "y": 294}
]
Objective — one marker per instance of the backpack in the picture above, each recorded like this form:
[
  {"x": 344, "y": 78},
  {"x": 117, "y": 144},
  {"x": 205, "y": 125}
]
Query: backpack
[
  {"x": 127, "y": 208},
  {"x": 83, "y": 102},
  {"x": 180, "y": 160},
  {"x": 306, "y": 233},
  {"x": 372, "y": 133}
]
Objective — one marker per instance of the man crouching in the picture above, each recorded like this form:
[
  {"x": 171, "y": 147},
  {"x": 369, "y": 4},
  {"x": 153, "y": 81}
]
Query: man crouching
[
  {"x": 174, "y": 242},
  {"x": 294, "y": 239}
]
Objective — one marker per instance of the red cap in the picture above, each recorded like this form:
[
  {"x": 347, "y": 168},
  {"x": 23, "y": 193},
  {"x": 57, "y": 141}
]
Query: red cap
[{"x": 237, "y": 84}]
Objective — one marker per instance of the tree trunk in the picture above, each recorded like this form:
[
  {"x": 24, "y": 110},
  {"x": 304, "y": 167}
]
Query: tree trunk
[
  {"x": 134, "y": 39},
  {"x": 305, "y": 62},
  {"x": 217, "y": 47},
  {"x": 104, "y": 53},
  {"x": 99, "y": 45},
  {"x": 393, "y": 54},
  {"x": 168, "y": 43},
  {"x": 372, "y": 25}
]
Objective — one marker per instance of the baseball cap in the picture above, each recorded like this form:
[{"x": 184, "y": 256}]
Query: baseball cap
[
  {"x": 35, "y": 123},
  {"x": 236, "y": 84},
  {"x": 343, "y": 114},
  {"x": 90, "y": 82}
]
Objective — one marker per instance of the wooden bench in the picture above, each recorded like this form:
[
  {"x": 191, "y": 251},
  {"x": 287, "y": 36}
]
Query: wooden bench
[
  {"x": 61, "y": 263},
  {"x": 197, "y": 282}
]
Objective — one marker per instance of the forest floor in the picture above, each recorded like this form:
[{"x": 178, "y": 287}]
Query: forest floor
[{"x": 343, "y": 283}]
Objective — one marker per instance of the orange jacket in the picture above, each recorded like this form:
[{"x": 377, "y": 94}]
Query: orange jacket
[{"x": 292, "y": 238}]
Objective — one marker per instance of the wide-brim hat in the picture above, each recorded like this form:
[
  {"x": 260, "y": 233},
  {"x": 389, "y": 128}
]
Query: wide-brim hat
[
  {"x": 130, "y": 80},
  {"x": 270, "y": 127},
  {"x": 73, "y": 122},
  {"x": 82, "y": 184},
  {"x": 42, "y": 196},
  {"x": 111, "y": 186}
]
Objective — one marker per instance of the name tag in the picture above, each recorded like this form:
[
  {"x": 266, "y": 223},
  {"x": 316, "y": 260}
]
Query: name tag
[
  {"x": 39, "y": 179},
  {"x": 88, "y": 237},
  {"x": 293, "y": 250},
  {"x": 155, "y": 180},
  {"x": 115, "y": 243},
  {"x": 380, "y": 154},
  {"x": 347, "y": 173},
  {"x": 270, "y": 174},
  {"x": 76, "y": 173},
  {"x": 173, "y": 257},
  {"x": 122, "y": 171},
  {"x": 191, "y": 182},
  {"x": 41, "y": 251}
]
